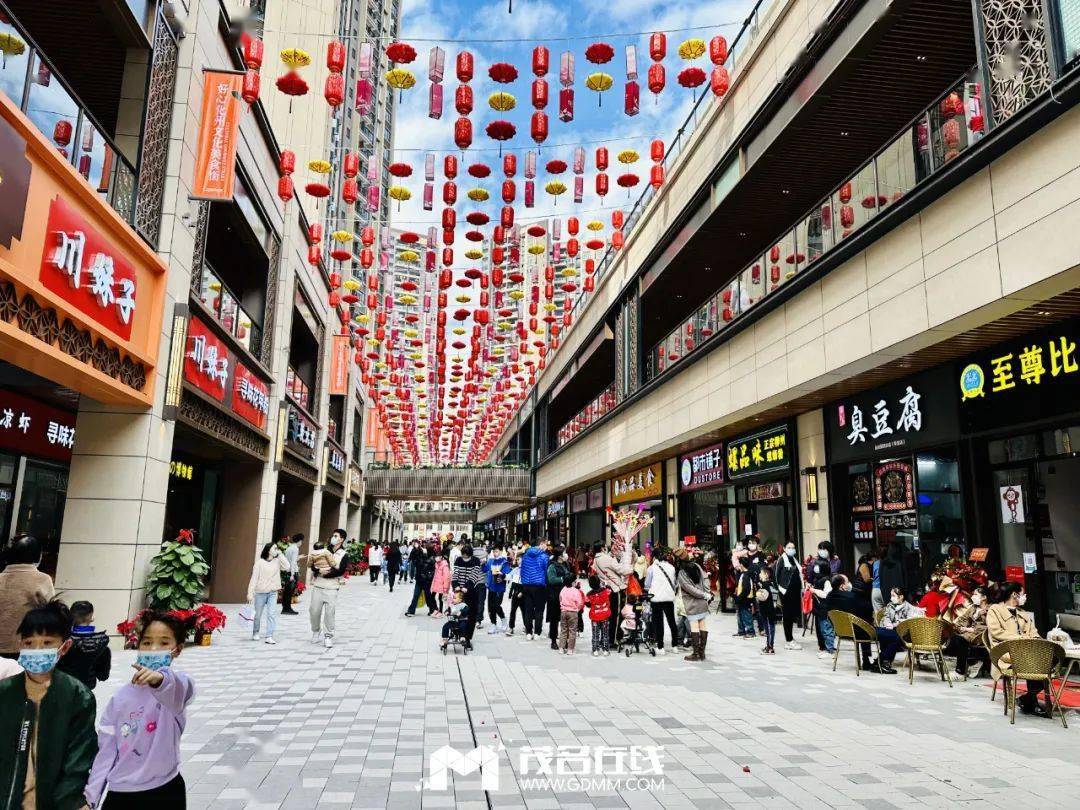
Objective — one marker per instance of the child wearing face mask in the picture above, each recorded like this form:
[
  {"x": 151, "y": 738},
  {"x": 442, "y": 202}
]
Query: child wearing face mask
[
  {"x": 138, "y": 759},
  {"x": 767, "y": 596},
  {"x": 45, "y": 710}
]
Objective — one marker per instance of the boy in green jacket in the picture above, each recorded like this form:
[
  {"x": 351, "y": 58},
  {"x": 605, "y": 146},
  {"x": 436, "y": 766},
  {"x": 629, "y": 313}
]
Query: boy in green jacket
[{"x": 47, "y": 738}]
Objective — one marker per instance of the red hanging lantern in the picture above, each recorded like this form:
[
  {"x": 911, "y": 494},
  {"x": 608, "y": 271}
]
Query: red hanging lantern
[
  {"x": 285, "y": 188},
  {"x": 350, "y": 190},
  {"x": 599, "y": 53},
  {"x": 335, "y": 56},
  {"x": 506, "y": 216},
  {"x": 447, "y": 257},
  {"x": 656, "y": 176},
  {"x": 509, "y": 191},
  {"x": 566, "y": 104},
  {"x": 334, "y": 89},
  {"x": 601, "y": 158},
  {"x": 718, "y": 50},
  {"x": 464, "y": 66},
  {"x": 720, "y": 81},
  {"x": 292, "y": 84},
  {"x": 601, "y": 184},
  {"x": 400, "y": 53},
  {"x": 847, "y": 216},
  {"x": 400, "y": 169},
  {"x": 572, "y": 226},
  {"x": 845, "y": 193},
  {"x": 253, "y": 52},
  {"x": 249, "y": 88},
  {"x": 448, "y": 237},
  {"x": 449, "y": 192},
  {"x": 314, "y": 255},
  {"x": 62, "y": 133},
  {"x": 503, "y": 73},
  {"x": 367, "y": 235},
  {"x": 450, "y": 166},
  {"x": 510, "y": 165},
  {"x": 350, "y": 164},
  {"x": 463, "y": 99},
  {"x": 657, "y": 78},
  {"x": 617, "y": 240},
  {"x": 541, "y": 60},
  {"x": 463, "y": 133},
  {"x": 617, "y": 219},
  {"x": 691, "y": 77},
  {"x": 539, "y": 93},
  {"x": 367, "y": 258},
  {"x": 501, "y": 130},
  {"x": 449, "y": 218},
  {"x": 658, "y": 46},
  {"x": 286, "y": 162},
  {"x": 656, "y": 151},
  {"x": 539, "y": 126}
]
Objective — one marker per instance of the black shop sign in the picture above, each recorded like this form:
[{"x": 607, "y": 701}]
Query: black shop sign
[
  {"x": 763, "y": 452},
  {"x": 912, "y": 412}
]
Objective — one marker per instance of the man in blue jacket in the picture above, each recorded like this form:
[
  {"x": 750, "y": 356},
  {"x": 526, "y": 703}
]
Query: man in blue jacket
[{"x": 534, "y": 566}]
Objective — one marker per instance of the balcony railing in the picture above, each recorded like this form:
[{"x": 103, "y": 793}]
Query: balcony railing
[
  {"x": 588, "y": 415},
  {"x": 226, "y": 308},
  {"x": 935, "y": 138},
  {"x": 28, "y": 79}
]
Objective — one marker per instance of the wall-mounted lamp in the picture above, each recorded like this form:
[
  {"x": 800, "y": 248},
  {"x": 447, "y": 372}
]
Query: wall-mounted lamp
[
  {"x": 174, "y": 381},
  {"x": 279, "y": 438},
  {"x": 671, "y": 508},
  {"x": 810, "y": 495}
]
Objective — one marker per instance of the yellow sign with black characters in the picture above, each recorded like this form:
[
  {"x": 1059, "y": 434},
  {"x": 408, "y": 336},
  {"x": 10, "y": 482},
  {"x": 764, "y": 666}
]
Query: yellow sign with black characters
[{"x": 758, "y": 453}]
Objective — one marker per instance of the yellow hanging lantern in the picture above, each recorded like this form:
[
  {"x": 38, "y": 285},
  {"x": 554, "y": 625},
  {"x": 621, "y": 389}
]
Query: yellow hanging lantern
[
  {"x": 627, "y": 156},
  {"x": 568, "y": 272},
  {"x": 463, "y": 299},
  {"x": 691, "y": 49},
  {"x": 342, "y": 236},
  {"x": 595, "y": 225},
  {"x": 406, "y": 299},
  {"x": 555, "y": 187},
  {"x": 410, "y": 256},
  {"x": 11, "y": 45},
  {"x": 502, "y": 102},
  {"x": 478, "y": 195},
  {"x": 473, "y": 253},
  {"x": 536, "y": 250},
  {"x": 363, "y": 317},
  {"x": 352, "y": 285},
  {"x": 458, "y": 330},
  {"x": 411, "y": 333},
  {"x": 549, "y": 307},
  {"x": 295, "y": 58},
  {"x": 517, "y": 295},
  {"x": 399, "y": 193},
  {"x": 320, "y": 166},
  {"x": 400, "y": 78}
]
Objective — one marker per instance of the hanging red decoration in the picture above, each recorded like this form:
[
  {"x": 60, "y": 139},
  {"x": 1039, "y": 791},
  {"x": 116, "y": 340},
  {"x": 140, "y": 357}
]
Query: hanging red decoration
[
  {"x": 656, "y": 176},
  {"x": 253, "y": 52},
  {"x": 500, "y": 130},
  {"x": 601, "y": 184},
  {"x": 334, "y": 89},
  {"x": 367, "y": 258},
  {"x": 450, "y": 163},
  {"x": 463, "y": 99},
  {"x": 617, "y": 219},
  {"x": 479, "y": 170},
  {"x": 538, "y": 126},
  {"x": 566, "y": 104},
  {"x": 509, "y": 191},
  {"x": 400, "y": 169},
  {"x": 572, "y": 247},
  {"x": 535, "y": 231},
  {"x": 845, "y": 193},
  {"x": 449, "y": 218},
  {"x": 335, "y": 56},
  {"x": 657, "y": 78},
  {"x": 556, "y": 166},
  {"x": 350, "y": 164},
  {"x": 539, "y": 93},
  {"x": 692, "y": 77},
  {"x": 287, "y": 161},
  {"x": 409, "y": 238},
  {"x": 658, "y": 46},
  {"x": 718, "y": 50},
  {"x": 463, "y": 133},
  {"x": 510, "y": 165},
  {"x": 318, "y": 190},
  {"x": 720, "y": 82},
  {"x": 464, "y": 66},
  {"x": 601, "y": 158},
  {"x": 572, "y": 226},
  {"x": 350, "y": 190},
  {"x": 315, "y": 233},
  {"x": 400, "y": 53},
  {"x": 449, "y": 192},
  {"x": 502, "y": 72},
  {"x": 628, "y": 180},
  {"x": 249, "y": 89},
  {"x": 477, "y": 218},
  {"x": 541, "y": 60},
  {"x": 506, "y": 217},
  {"x": 285, "y": 190},
  {"x": 599, "y": 53},
  {"x": 292, "y": 84},
  {"x": 595, "y": 244},
  {"x": 632, "y": 99}
]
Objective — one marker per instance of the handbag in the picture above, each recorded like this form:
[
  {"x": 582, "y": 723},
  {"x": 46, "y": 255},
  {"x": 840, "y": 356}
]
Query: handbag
[{"x": 807, "y": 602}]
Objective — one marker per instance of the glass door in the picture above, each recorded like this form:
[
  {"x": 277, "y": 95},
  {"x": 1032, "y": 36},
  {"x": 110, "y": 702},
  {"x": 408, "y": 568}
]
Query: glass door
[{"x": 41, "y": 508}]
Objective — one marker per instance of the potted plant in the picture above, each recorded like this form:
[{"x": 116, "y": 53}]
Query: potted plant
[
  {"x": 177, "y": 574},
  {"x": 206, "y": 619}
]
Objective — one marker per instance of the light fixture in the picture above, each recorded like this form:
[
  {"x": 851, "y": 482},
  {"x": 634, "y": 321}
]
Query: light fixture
[
  {"x": 282, "y": 427},
  {"x": 844, "y": 133},
  {"x": 671, "y": 507},
  {"x": 921, "y": 58},
  {"x": 810, "y": 493},
  {"x": 175, "y": 378}
]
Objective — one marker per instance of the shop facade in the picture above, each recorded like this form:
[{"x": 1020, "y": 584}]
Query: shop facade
[
  {"x": 557, "y": 522},
  {"x": 642, "y": 489}
]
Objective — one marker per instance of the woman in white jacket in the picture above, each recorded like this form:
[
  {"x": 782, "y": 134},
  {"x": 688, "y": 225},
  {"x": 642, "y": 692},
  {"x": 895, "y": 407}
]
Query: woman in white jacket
[
  {"x": 263, "y": 588},
  {"x": 660, "y": 583}
]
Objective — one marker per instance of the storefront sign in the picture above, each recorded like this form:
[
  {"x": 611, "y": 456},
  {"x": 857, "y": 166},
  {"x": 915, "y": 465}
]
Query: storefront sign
[
  {"x": 579, "y": 501},
  {"x": 215, "y": 161},
  {"x": 894, "y": 488},
  {"x": 596, "y": 497},
  {"x": 211, "y": 367},
  {"x": 336, "y": 459},
  {"x": 767, "y": 451},
  {"x": 301, "y": 434},
  {"x": 1014, "y": 573},
  {"x": 911, "y": 412},
  {"x": 690, "y": 540},
  {"x": 181, "y": 470},
  {"x": 1012, "y": 503},
  {"x": 556, "y": 508},
  {"x": 639, "y": 485},
  {"x": 979, "y": 554},
  {"x": 766, "y": 492},
  {"x": 702, "y": 468},
  {"x": 86, "y": 270},
  {"x": 35, "y": 429},
  {"x": 340, "y": 355}
]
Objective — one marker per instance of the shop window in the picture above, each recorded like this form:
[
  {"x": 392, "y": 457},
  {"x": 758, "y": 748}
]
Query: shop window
[
  {"x": 8, "y": 468},
  {"x": 51, "y": 107},
  {"x": 1062, "y": 441},
  {"x": 357, "y": 434},
  {"x": 303, "y": 354},
  {"x": 1013, "y": 448},
  {"x": 941, "y": 522},
  {"x": 897, "y": 168},
  {"x": 335, "y": 419}
]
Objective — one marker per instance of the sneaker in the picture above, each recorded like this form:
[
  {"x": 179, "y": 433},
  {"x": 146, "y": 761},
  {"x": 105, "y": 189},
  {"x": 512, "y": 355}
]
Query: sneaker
[
  {"x": 661, "y": 651},
  {"x": 565, "y": 652},
  {"x": 316, "y": 637},
  {"x": 825, "y": 655},
  {"x": 494, "y": 630},
  {"x": 529, "y": 637},
  {"x": 270, "y": 640},
  {"x": 607, "y": 653},
  {"x": 554, "y": 645},
  {"x": 329, "y": 642},
  {"x": 510, "y": 632},
  {"x": 255, "y": 636},
  {"x": 595, "y": 653},
  {"x": 569, "y": 652},
  {"x": 409, "y": 615},
  {"x": 793, "y": 645},
  {"x": 764, "y": 650},
  {"x": 738, "y": 635}
]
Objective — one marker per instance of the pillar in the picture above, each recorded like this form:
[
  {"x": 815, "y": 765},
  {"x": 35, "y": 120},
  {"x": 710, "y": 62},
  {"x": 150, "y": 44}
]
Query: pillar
[{"x": 811, "y": 444}]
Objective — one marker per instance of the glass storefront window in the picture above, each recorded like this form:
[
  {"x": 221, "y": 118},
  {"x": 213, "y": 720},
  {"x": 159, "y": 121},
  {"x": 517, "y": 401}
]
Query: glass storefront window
[
  {"x": 781, "y": 258},
  {"x": 814, "y": 236},
  {"x": 1062, "y": 441},
  {"x": 52, "y": 109},
  {"x": 1014, "y": 448},
  {"x": 896, "y": 169}
]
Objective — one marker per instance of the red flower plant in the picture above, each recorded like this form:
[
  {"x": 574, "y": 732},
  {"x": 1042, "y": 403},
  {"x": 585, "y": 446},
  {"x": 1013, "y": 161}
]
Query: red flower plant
[
  {"x": 186, "y": 536},
  {"x": 400, "y": 53},
  {"x": 599, "y": 53},
  {"x": 502, "y": 72}
]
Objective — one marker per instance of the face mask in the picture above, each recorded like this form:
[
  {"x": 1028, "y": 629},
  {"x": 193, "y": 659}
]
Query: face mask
[
  {"x": 38, "y": 662},
  {"x": 976, "y": 598},
  {"x": 752, "y": 546},
  {"x": 823, "y": 553},
  {"x": 274, "y": 552},
  {"x": 154, "y": 660},
  {"x": 1021, "y": 599},
  {"x": 790, "y": 551},
  {"x": 896, "y": 600}
]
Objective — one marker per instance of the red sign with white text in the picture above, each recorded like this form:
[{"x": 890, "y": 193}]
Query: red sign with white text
[
  {"x": 34, "y": 428},
  {"x": 85, "y": 269},
  {"x": 251, "y": 397},
  {"x": 211, "y": 367}
]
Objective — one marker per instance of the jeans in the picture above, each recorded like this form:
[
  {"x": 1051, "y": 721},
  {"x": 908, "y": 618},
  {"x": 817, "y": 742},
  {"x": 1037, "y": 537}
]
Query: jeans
[
  {"x": 385, "y": 574},
  {"x": 877, "y": 600},
  {"x": 265, "y": 602},
  {"x": 768, "y": 625},
  {"x": 568, "y": 630},
  {"x": 535, "y": 600},
  {"x": 494, "y": 606},
  {"x": 746, "y": 620},
  {"x": 660, "y": 611},
  {"x": 323, "y": 610},
  {"x": 517, "y": 602},
  {"x": 373, "y": 570},
  {"x": 682, "y": 624},
  {"x": 421, "y": 587},
  {"x": 826, "y": 634},
  {"x": 601, "y": 637}
]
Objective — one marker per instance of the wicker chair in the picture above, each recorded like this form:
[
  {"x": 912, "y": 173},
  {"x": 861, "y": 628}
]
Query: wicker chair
[
  {"x": 879, "y": 614},
  {"x": 925, "y": 636},
  {"x": 846, "y": 625},
  {"x": 993, "y": 663},
  {"x": 1032, "y": 659}
]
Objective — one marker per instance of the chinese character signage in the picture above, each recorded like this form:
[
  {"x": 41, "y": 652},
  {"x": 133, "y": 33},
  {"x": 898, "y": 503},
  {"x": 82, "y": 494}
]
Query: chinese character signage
[
  {"x": 215, "y": 165},
  {"x": 301, "y": 434},
  {"x": 556, "y": 508},
  {"x": 639, "y": 485},
  {"x": 894, "y": 489},
  {"x": 335, "y": 461},
  {"x": 1036, "y": 376},
  {"x": 181, "y": 470},
  {"x": 35, "y": 429},
  {"x": 702, "y": 468},
  {"x": 211, "y": 367},
  {"x": 767, "y": 451},
  {"x": 911, "y": 412},
  {"x": 340, "y": 356},
  {"x": 85, "y": 269}
]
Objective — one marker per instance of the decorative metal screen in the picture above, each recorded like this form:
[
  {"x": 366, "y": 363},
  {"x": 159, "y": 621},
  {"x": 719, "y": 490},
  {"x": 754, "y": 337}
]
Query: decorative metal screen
[
  {"x": 1017, "y": 53},
  {"x": 155, "y": 138}
]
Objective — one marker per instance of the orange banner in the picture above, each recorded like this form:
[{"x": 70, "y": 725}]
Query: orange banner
[
  {"x": 339, "y": 365},
  {"x": 215, "y": 167}
]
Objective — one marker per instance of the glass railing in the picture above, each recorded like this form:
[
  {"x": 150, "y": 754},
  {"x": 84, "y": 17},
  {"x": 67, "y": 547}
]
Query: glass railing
[
  {"x": 591, "y": 413},
  {"x": 225, "y": 305},
  {"x": 27, "y": 78},
  {"x": 936, "y": 137}
]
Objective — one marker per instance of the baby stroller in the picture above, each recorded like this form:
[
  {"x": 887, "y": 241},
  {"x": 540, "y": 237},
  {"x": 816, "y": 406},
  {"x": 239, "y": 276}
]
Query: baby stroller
[
  {"x": 641, "y": 635},
  {"x": 457, "y": 629}
]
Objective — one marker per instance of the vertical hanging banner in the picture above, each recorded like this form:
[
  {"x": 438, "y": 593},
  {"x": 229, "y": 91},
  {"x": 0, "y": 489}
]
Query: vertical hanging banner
[
  {"x": 339, "y": 365},
  {"x": 215, "y": 167}
]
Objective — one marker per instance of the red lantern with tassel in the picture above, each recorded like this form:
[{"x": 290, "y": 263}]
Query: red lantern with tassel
[
  {"x": 538, "y": 127},
  {"x": 285, "y": 189},
  {"x": 463, "y": 133},
  {"x": 249, "y": 89}
]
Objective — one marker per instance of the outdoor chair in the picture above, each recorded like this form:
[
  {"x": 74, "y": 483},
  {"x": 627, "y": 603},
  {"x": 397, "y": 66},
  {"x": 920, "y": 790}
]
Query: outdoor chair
[
  {"x": 849, "y": 627},
  {"x": 1030, "y": 659},
  {"x": 925, "y": 636}
]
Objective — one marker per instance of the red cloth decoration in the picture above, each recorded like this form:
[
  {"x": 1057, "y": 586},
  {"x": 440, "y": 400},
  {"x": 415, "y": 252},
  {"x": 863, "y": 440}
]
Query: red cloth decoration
[
  {"x": 400, "y": 53},
  {"x": 502, "y": 72},
  {"x": 479, "y": 170},
  {"x": 692, "y": 77},
  {"x": 599, "y": 53}
]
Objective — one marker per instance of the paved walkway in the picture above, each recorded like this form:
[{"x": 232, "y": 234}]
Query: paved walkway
[{"x": 299, "y": 726}]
